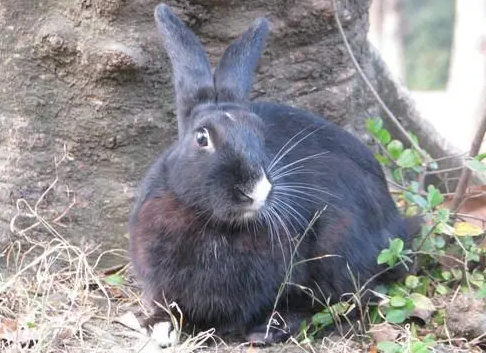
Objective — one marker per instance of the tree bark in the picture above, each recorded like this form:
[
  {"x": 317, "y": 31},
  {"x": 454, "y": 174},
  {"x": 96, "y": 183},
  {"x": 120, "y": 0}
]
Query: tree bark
[{"x": 90, "y": 77}]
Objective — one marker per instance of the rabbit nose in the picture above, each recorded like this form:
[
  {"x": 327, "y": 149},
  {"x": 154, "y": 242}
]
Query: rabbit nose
[{"x": 242, "y": 196}]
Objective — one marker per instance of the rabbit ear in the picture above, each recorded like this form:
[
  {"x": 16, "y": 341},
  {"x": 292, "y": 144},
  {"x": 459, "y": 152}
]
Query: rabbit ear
[
  {"x": 191, "y": 70},
  {"x": 234, "y": 74}
]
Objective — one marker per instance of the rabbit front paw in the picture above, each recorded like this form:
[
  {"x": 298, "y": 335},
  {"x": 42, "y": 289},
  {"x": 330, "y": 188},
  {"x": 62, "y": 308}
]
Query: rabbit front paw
[{"x": 164, "y": 335}]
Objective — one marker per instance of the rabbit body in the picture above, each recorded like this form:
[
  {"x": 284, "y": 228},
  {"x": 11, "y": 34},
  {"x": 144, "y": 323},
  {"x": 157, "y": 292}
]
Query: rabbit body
[{"x": 201, "y": 233}]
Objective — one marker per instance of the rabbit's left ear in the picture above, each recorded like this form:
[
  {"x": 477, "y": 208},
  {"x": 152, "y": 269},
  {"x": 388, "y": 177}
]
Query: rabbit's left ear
[
  {"x": 234, "y": 74},
  {"x": 191, "y": 70}
]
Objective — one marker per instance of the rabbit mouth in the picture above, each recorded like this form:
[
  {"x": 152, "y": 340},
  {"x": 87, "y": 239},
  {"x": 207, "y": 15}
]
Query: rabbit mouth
[{"x": 258, "y": 197}]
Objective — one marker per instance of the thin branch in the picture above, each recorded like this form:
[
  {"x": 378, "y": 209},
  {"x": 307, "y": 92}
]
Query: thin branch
[
  {"x": 448, "y": 157},
  {"x": 424, "y": 155},
  {"x": 466, "y": 173},
  {"x": 446, "y": 170},
  {"x": 463, "y": 215}
]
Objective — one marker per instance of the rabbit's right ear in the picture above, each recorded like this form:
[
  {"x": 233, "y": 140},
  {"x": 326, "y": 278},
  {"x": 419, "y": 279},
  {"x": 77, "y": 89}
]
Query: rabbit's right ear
[
  {"x": 234, "y": 74},
  {"x": 191, "y": 70}
]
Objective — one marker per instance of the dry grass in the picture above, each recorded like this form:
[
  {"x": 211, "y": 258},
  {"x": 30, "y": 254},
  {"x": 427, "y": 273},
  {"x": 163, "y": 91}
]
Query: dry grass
[
  {"x": 51, "y": 289},
  {"x": 55, "y": 297}
]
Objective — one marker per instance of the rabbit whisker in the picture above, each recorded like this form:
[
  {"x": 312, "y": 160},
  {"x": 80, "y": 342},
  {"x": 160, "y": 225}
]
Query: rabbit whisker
[
  {"x": 281, "y": 150},
  {"x": 268, "y": 223},
  {"x": 275, "y": 172},
  {"x": 274, "y": 211},
  {"x": 274, "y": 227},
  {"x": 279, "y": 214},
  {"x": 283, "y": 154},
  {"x": 293, "y": 172},
  {"x": 289, "y": 195},
  {"x": 292, "y": 212},
  {"x": 303, "y": 186}
]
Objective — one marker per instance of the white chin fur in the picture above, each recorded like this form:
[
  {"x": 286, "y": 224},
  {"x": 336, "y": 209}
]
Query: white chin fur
[{"x": 259, "y": 194}]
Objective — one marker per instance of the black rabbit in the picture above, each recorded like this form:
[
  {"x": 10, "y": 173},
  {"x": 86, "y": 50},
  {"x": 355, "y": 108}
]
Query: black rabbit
[{"x": 253, "y": 196}]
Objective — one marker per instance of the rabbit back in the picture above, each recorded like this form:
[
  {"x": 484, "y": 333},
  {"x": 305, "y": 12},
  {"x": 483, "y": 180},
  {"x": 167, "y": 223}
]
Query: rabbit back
[{"x": 344, "y": 183}]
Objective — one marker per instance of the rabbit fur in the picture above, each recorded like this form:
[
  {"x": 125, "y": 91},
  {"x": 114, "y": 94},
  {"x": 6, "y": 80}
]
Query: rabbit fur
[{"x": 257, "y": 207}]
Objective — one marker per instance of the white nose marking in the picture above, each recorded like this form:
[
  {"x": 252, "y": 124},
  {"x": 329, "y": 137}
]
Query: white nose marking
[{"x": 260, "y": 192}]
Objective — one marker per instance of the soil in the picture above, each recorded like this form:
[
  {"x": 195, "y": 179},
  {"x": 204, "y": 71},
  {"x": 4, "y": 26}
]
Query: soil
[{"x": 89, "y": 80}]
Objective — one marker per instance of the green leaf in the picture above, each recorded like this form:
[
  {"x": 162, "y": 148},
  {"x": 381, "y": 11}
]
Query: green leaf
[
  {"x": 412, "y": 282},
  {"x": 481, "y": 292},
  {"x": 406, "y": 159},
  {"x": 385, "y": 256},
  {"x": 322, "y": 319},
  {"x": 396, "y": 316},
  {"x": 115, "y": 279},
  {"x": 440, "y": 242},
  {"x": 433, "y": 166},
  {"x": 382, "y": 159},
  {"x": 444, "y": 228},
  {"x": 441, "y": 289},
  {"x": 419, "y": 347},
  {"x": 457, "y": 273},
  {"x": 395, "y": 148},
  {"x": 381, "y": 288},
  {"x": 416, "y": 199},
  {"x": 472, "y": 257},
  {"x": 413, "y": 137},
  {"x": 429, "y": 339},
  {"x": 443, "y": 215},
  {"x": 397, "y": 301},
  {"x": 480, "y": 157},
  {"x": 434, "y": 197},
  {"x": 476, "y": 166},
  {"x": 389, "y": 347},
  {"x": 477, "y": 279},
  {"x": 396, "y": 246},
  {"x": 374, "y": 125},
  {"x": 397, "y": 175},
  {"x": 375, "y": 317},
  {"x": 446, "y": 275},
  {"x": 420, "y": 201},
  {"x": 420, "y": 301},
  {"x": 409, "y": 305},
  {"x": 418, "y": 158},
  {"x": 383, "y": 136},
  {"x": 414, "y": 187}
]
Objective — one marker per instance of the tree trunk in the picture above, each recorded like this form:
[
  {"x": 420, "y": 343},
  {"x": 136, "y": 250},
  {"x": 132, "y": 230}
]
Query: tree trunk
[
  {"x": 90, "y": 77},
  {"x": 386, "y": 34},
  {"x": 466, "y": 88}
]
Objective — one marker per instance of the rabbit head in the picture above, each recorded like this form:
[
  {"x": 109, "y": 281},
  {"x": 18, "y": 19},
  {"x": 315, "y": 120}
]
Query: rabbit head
[{"x": 218, "y": 162}]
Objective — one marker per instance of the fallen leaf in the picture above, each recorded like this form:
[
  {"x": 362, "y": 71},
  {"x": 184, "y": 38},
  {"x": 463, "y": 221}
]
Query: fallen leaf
[
  {"x": 7, "y": 325},
  {"x": 384, "y": 332},
  {"x": 129, "y": 320},
  {"x": 467, "y": 229},
  {"x": 424, "y": 308},
  {"x": 115, "y": 279},
  {"x": 473, "y": 209}
]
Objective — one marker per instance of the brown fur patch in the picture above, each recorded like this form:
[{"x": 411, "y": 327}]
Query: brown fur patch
[
  {"x": 157, "y": 217},
  {"x": 164, "y": 214},
  {"x": 336, "y": 232}
]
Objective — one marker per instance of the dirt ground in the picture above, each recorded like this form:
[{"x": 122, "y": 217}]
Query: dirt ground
[{"x": 55, "y": 297}]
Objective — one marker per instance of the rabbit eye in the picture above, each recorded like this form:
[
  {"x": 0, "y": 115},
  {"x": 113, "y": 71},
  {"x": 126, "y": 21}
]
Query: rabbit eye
[{"x": 202, "y": 137}]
